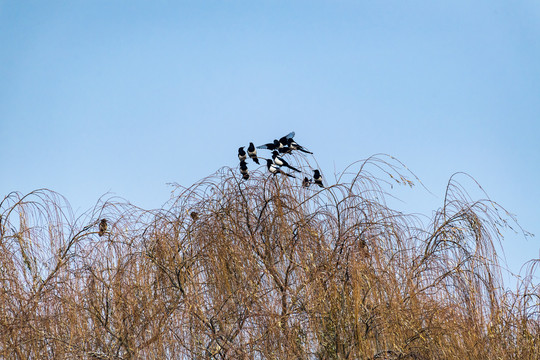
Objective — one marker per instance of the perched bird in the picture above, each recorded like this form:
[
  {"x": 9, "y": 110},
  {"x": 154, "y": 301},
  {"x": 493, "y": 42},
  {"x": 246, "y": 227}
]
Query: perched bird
[
  {"x": 317, "y": 177},
  {"x": 285, "y": 150},
  {"x": 102, "y": 227},
  {"x": 284, "y": 141},
  {"x": 243, "y": 168},
  {"x": 274, "y": 169},
  {"x": 295, "y": 146},
  {"x": 271, "y": 146},
  {"x": 277, "y": 144},
  {"x": 280, "y": 162},
  {"x": 253, "y": 153},
  {"x": 306, "y": 182},
  {"x": 241, "y": 154},
  {"x": 194, "y": 215},
  {"x": 245, "y": 176}
]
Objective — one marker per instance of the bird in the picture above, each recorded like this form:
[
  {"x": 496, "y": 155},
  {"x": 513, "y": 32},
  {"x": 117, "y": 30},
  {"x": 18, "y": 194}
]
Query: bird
[
  {"x": 244, "y": 170},
  {"x": 241, "y": 154},
  {"x": 285, "y": 150},
  {"x": 194, "y": 215},
  {"x": 102, "y": 227},
  {"x": 274, "y": 169},
  {"x": 271, "y": 146},
  {"x": 295, "y": 146},
  {"x": 306, "y": 182},
  {"x": 253, "y": 153},
  {"x": 317, "y": 177},
  {"x": 277, "y": 144},
  {"x": 280, "y": 162},
  {"x": 284, "y": 140}
]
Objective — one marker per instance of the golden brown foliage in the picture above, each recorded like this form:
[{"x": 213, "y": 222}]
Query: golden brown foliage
[{"x": 260, "y": 269}]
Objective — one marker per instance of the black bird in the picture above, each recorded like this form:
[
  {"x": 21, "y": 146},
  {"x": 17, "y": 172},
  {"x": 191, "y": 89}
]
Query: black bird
[
  {"x": 271, "y": 146},
  {"x": 284, "y": 141},
  {"x": 285, "y": 150},
  {"x": 102, "y": 227},
  {"x": 280, "y": 162},
  {"x": 253, "y": 153},
  {"x": 241, "y": 154},
  {"x": 274, "y": 169},
  {"x": 306, "y": 182},
  {"x": 277, "y": 144},
  {"x": 194, "y": 215},
  {"x": 317, "y": 177},
  {"x": 244, "y": 170},
  {"x": 295, "y": 146}
]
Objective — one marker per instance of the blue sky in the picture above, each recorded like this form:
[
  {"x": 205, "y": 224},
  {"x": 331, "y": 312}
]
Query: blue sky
[{"x": 126, "y": 96}]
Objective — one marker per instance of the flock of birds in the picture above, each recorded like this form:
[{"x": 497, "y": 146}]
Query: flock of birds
[{"x": 285, "y": 145}]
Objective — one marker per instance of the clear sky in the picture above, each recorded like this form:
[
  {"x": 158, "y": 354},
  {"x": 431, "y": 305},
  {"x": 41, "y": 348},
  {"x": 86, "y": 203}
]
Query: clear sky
[{"x": 126, "y": 96}]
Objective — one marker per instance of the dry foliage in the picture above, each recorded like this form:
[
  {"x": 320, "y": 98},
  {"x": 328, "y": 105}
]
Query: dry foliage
[{"x": 261, "y": 269}]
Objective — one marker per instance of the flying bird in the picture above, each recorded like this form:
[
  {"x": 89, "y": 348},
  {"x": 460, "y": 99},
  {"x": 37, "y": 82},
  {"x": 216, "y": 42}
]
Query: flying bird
[
  {"x": 102, "y": 227},
  {"x": 241, "y": 154},
  {"x": 280, "y": 162},
  {"x": 274, "y": 169},
  {"x": 252, "y": 152},
  {"x": 295, "y": 146},
  {"x": 317, "y": 177}
]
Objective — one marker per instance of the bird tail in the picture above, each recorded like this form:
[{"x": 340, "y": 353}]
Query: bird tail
[
  {"x": 256, "y": 160},
  {"x": 289, "y": 175},
  {"x": 293, "y": 168},
  {"x": 304, "y": 150}
]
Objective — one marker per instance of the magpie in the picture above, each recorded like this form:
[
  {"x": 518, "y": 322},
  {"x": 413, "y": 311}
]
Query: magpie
[
  {"x": 285, "y": 139},
  {"x": 277, "y": 144},
  {"x": 306, "y": 182},
  {"x": 102, "y": 227},
  {"x": 244, "y": 169},
  {"x": 253, "y": 153},
  {"x": 317, "y": 178},
  {"x": 274, "y": 169},
  {"x": 295, "y": 146},
  {"x": 285, "y": 150},
  {"x": 241, "y": 154},
  {"x": 280, "y": 162},
  {"x": 271, "y": 146},
  {"x": 194, "y": 215}
]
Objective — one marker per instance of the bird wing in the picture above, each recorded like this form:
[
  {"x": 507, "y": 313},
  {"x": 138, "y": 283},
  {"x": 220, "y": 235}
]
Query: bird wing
[
  {"x": 269, "y": 146},
  {"x": 290, "y": 135}
]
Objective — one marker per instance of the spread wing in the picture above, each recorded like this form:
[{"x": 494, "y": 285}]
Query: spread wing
[{"x": 269, "y": 146}]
